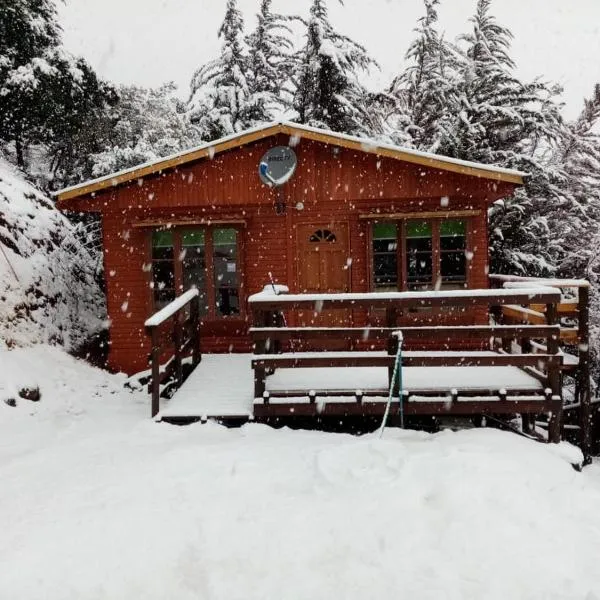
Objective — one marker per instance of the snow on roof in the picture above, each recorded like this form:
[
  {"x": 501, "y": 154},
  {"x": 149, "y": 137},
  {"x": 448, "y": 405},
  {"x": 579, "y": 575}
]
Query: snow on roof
[{"x": 250, "y": 135}]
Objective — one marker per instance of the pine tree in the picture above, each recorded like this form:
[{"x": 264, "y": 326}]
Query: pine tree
[
  {"x": 44, "y": 91},
  {"x": 328, "y": 92},
  {"x": 220, "y": 99},
  {"x": 270, "y": 64},
  {"x": 576, "y": 227},
  {"x": 494, "y": 118},
  {"x": 424, "y": 93},
  {"x": 147, "y": 124}
]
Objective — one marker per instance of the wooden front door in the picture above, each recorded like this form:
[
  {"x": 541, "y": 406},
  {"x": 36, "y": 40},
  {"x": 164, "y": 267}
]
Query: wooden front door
[
  {"x": 323, "y": 261},
  {"x": 323, "y": 258}
]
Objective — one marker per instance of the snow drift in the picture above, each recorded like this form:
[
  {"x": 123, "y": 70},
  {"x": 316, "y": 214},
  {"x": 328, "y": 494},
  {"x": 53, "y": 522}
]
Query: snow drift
[{"x": 48, "y": 284}]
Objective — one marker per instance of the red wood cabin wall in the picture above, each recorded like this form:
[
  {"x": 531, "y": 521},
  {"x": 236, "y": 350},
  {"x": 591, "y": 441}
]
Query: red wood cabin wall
[{"x": 334, "y": 184}]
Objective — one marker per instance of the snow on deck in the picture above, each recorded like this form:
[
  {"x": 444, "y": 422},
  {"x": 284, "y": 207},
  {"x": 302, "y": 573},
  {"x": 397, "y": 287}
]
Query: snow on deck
[{"x": 223, "y": 384}]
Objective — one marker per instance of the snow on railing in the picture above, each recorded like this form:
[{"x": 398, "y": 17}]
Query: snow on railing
[
  {"x": 168, "y": 311},
  {"x": 516, "y": 280},
  {"x": 367, "y": 296}
]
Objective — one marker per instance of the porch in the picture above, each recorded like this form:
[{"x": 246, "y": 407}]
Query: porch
[
  {"x": 221, "y": 387},
  {"x": 513, "y": 364}
]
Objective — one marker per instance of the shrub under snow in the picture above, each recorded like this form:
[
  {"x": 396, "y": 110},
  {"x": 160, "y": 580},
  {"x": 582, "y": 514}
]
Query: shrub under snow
[{"x": 49, "y": 291}]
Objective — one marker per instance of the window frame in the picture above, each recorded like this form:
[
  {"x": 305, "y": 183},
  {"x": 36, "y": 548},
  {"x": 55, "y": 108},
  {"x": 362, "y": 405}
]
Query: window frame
[
  {"x": 401, "y": 248},
  {"x": 211, "y": 288}
]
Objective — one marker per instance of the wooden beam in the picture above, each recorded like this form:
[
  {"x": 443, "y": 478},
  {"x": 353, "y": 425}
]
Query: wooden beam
[
  {"x": 409, "y": 359},
  {"x": 434, "y": 214},
  {"x": 366, "y": 334},
  {"x": 411, "y": 408},
  {"x": 165, "y": 222}
]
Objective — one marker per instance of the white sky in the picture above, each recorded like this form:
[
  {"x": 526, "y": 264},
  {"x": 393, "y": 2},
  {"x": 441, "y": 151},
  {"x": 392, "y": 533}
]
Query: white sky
[{"x": 152, "y": 41}]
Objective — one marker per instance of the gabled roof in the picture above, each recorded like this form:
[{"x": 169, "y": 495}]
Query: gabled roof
[{"x": 236, "y": 140}]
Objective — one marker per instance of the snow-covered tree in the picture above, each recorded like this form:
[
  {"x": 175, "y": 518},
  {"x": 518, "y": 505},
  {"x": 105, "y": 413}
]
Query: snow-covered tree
[
  {"x": 329, "y": 93},
  {"x": 425, "y": 92},
  {"x": 147, "y": 124},
  {"x": 270, "y": 64},
  {"x": 45, "y": 93},
  {"x": 220, "y": 99},
  {"x": 576, "y": 224}
]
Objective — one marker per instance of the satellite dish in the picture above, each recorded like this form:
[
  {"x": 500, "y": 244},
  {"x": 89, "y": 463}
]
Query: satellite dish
[{"x": 277, "y": 166}]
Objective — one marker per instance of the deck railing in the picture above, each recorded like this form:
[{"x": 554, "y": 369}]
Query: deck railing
[
  {"x": 174, "y": 334},
  {"x": 574, "y": 320},
  {"x": 546, "y": 366}
]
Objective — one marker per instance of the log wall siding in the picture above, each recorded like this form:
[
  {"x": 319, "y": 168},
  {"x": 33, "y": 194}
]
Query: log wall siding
[{"x": 334, "y": 185}]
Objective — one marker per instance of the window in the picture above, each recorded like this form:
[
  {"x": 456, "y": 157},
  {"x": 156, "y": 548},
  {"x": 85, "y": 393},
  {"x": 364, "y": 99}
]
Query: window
[
  {"x": 226, "y": 274},
  {"x": 163, "y": 268},
  {"x": 202, "y": 257},
  {"x": 419, "y": 254},
  {"x": 453, "y": 250},
  {"x": 385, "y": 257}
]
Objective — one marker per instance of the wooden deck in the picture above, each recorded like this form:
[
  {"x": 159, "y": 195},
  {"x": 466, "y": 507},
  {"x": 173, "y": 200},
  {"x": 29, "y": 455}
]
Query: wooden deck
[
  {"x": 221, "y": 388},
  {"x": 509, "y": 360}
]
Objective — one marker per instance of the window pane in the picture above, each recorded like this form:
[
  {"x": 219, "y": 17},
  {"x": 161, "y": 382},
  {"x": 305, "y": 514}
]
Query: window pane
[
  {"x": 162, "y": 245},
  {"x": 419, "y": 255},
  {"x": 163, "y": 268},
  {"x": 385, "y": 257},
  {"x": 194, "y": 264},
  {"x": 226, "y": 271},
  {"x": 453, "y": 262},
  {"x": 452, "y": 227}
]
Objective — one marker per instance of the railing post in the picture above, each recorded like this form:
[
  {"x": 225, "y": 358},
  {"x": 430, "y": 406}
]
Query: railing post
[
  {"x": 155, "y": 371},
  {"x": 195, "y": 333},
  {"x": 259, "y": 319},
  {"x": 177, "y": 343},
  {"x": 391, "y": 316},
  {"x": 554, "y": 375},
  {"x": 583, "y": 373}
]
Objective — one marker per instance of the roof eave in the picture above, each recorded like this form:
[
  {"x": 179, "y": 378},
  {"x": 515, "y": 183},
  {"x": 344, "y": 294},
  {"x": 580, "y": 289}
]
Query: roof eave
[{"x": 240, "y": 139}]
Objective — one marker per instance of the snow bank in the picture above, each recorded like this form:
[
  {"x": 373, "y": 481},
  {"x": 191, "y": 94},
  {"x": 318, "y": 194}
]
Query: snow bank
[
  {"x": 97, "y": 501},
  {"x": 48, "y": 291}
]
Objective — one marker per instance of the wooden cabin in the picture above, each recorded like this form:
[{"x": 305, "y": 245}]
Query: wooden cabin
[{"x": 356, "y": 216}]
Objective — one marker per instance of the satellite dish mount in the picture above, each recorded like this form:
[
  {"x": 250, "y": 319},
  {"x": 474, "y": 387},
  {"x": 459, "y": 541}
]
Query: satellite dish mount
[{"x": 275, "y": 169}]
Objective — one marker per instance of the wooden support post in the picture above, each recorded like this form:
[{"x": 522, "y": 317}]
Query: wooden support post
[
  {"x": 391, "y": 317},
  {"x": 177, "y": 343},
  {"x": 583, "y": 374},
  {"x": 195, "y": 330},
  {"x": 259, "y": 382},
  {"x": 554, "y": 375},
  {"x": 155, "y": 370},
  {"x": 259, "y": 319}
]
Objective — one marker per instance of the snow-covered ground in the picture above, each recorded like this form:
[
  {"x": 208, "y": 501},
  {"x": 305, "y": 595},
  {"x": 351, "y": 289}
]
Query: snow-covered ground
[{"x": 97, "y": 501}]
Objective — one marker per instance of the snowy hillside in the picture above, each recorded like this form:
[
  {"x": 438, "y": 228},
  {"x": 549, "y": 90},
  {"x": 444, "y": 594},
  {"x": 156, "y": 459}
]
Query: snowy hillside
[
  {"x": 48, "y": 291},
  {"x": 98, "y": 501}
]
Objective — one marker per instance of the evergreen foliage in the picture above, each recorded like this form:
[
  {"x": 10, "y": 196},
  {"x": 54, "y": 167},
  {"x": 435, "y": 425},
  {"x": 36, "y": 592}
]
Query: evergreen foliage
[
  {"x": 424, "y": 93},
  {"x": 270, "y": 64},
  {"x": 328, "y": 92},
  {"x": 220, "y": 102},
  {"x": 146, "y": 124},
  {"x": 45, "y": 93}
]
